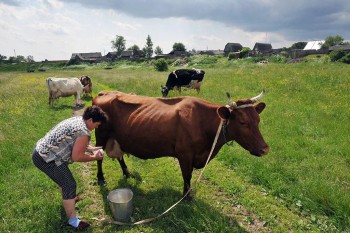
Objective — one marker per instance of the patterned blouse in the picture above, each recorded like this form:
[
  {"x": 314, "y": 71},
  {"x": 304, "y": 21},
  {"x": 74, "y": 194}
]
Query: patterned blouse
[{"x": 58, "y": 143}]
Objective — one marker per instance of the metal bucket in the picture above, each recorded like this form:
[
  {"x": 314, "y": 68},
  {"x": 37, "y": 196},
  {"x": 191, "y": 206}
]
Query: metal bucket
[{"x": 120, "y": 201}]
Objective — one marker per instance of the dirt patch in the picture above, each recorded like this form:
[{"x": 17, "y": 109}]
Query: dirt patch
[{"x": 78, "y": 111}]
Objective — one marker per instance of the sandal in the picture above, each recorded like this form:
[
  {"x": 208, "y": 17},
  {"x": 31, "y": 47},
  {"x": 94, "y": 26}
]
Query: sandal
[
  {"x": 83, "y": 225},
  {"x": 77, "y": 199}
]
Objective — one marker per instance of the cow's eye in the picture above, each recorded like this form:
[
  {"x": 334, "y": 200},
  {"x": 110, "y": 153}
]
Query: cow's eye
[{"x": 243, "y": 123}]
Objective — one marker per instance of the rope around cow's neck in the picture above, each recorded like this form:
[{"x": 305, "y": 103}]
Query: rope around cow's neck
[{"x": 188, "y": 191}]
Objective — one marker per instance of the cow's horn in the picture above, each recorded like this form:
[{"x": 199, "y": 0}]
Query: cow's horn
[
  {"x": 229, "y": 97},
  {"x": 231, "y": 103},
  {"x": 258, "y": 97}
]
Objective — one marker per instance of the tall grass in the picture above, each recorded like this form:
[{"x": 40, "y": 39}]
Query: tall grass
[{"x": 301, "y": 185}]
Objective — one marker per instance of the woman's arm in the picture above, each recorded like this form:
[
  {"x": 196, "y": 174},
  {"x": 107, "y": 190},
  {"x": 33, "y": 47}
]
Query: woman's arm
[
  {"x": 92, "y": 149},
  {"x": 79, "y": 148}
]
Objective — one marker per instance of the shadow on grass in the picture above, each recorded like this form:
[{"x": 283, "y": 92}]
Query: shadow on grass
[
  {"x": 87, "y": 98},
  {"x": 65, "y": 107},
  {"x": 187, "y": 216}
]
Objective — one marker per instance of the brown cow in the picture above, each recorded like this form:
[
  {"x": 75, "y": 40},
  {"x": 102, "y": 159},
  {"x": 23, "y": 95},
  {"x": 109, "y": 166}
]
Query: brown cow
[
  {"x": 182, "y": 127},
  {"x": 87, "y": 84}
]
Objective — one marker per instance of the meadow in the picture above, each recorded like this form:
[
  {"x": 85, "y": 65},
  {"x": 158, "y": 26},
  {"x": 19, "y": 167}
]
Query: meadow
[{"x": 302, "y": 185}]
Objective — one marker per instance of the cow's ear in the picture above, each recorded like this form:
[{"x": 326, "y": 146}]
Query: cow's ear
[
  {"x": 224, "y": 112},
  {"x": 260, "y": 107}
]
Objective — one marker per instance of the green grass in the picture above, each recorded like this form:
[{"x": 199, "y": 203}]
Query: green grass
[{"x": 301, "y": 185}]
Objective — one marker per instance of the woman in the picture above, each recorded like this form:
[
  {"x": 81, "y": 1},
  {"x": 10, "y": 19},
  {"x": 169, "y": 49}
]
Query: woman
[{"x": 66, "y": 143}]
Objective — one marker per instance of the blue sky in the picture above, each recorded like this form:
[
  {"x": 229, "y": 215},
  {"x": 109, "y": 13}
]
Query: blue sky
[{"x": 54, "y": 29}]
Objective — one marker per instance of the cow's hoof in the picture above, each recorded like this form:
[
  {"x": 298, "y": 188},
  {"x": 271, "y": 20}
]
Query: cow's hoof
[
  {"x": 188, "y": 198},
  {"x": 101, "y": 182},
  {"x": 129, "y": 175}
]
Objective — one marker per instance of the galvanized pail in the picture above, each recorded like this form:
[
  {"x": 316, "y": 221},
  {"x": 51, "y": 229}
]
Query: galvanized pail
[{"x": 120, "y": 201}]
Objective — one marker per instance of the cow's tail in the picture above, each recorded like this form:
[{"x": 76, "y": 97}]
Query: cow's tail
[{"x": 48, "y": 81}]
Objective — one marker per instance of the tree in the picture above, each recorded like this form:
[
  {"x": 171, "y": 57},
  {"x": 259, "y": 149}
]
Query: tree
[
  {"x": 134, "y": 48},
  {"x": 158, "y": 50},
  {"x": 179, "y": 47},
  {"x": 2, "y": 58},
  {"x": 118, "y": 44},
  {"x": 148, "y": 49},
  {"x": 244, "y": 52},
  {"x": 332, "y": 40},
  {"x": 161, "y": 65},
  {"x": 17, "y": 59},
  {"x": 30, "y": 59},
  {"x": 298, "y": 45}
]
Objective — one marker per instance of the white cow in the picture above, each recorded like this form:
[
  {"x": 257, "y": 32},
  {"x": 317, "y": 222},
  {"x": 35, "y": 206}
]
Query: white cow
[{"x": 63, "y": 87}]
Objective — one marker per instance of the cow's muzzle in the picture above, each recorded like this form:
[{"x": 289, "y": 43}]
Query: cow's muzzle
[{"x": 260, "y": 152}]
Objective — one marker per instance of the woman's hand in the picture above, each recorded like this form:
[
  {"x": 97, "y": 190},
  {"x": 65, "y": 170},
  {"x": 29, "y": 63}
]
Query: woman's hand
[
  {"x": 98, "y": 154},
  {"x": 81, "y": 145},
  {"x": 93, "y": 148}
]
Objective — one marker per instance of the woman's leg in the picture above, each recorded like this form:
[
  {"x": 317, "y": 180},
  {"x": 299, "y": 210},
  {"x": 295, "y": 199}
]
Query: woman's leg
[{"x": 62, "y": 176}]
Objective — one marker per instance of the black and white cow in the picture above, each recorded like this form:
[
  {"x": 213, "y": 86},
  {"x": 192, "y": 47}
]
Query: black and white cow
[{"x": 190, "y": 78}]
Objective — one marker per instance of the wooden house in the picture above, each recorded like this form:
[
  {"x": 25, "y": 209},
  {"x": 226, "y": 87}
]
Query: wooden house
[
  {"x": 232, "y": 47},
  {"x": 262, "y": 49},
  {"x": 85, "y": 57}
]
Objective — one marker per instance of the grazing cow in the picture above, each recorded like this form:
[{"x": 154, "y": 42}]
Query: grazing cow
[
  {"x": 183, "y": 78},
  {"x": 182, "y": 127},
  {"x": 64, "y": 87},
  {"x": 86, "y": 82}
]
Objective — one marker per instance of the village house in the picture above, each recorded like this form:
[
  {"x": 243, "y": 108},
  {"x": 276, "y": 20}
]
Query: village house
[
  {"x": 262, "y": 49},
  {"x": 232, "y": 48},
  {"x": 85, "y": 57}
]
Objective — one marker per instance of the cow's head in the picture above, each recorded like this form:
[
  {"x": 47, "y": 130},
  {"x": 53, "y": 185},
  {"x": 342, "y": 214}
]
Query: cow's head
[
  {"x": 87, "y": 84},
  {"x": 85, "y": 80},
  {"x": 164, "y": 90},
  {"x": 243, "y": 124},
  {"x": 198, "y": 73}
]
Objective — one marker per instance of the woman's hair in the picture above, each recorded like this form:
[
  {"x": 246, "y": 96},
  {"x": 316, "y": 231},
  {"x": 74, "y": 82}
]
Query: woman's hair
[{"x": 95, "y": 113}]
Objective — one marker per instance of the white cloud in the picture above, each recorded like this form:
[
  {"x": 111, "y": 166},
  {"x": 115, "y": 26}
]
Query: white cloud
[
  {"x": 127, "y": 26},
  {"x": 54, "y": 29},
  {"x": 53, "y": 3},
  {"x": 51, "y": 27}
]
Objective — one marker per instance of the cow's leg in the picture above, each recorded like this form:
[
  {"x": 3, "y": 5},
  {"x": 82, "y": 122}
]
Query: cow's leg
[
  {"x": 122, "y": 164},
  {"x": 186, "y": 170},
  {"x": 113, "y": 150},
  {"x": 51, "y": 96},
  {"x": 78, "y": 99},
  {"x": 199, "y": 87},
  {"x": 100, "y": 178},
  {"x": 75, "y": 100}
]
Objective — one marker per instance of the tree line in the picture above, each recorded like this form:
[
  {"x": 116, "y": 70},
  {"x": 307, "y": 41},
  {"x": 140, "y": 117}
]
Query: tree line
[{"x": 118, "y": 44}]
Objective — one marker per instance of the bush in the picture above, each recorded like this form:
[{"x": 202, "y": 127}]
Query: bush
[
  {"x": 278, "y": 59},
  {"x": 231, "y": 56},
  {"x": 345, "y": 59},
  {"x": 337, "y": 54},
  {"x": 202, "y": 60},
  {"x": 244, "y": 52},
  {"x": 161, "y": 65}
]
